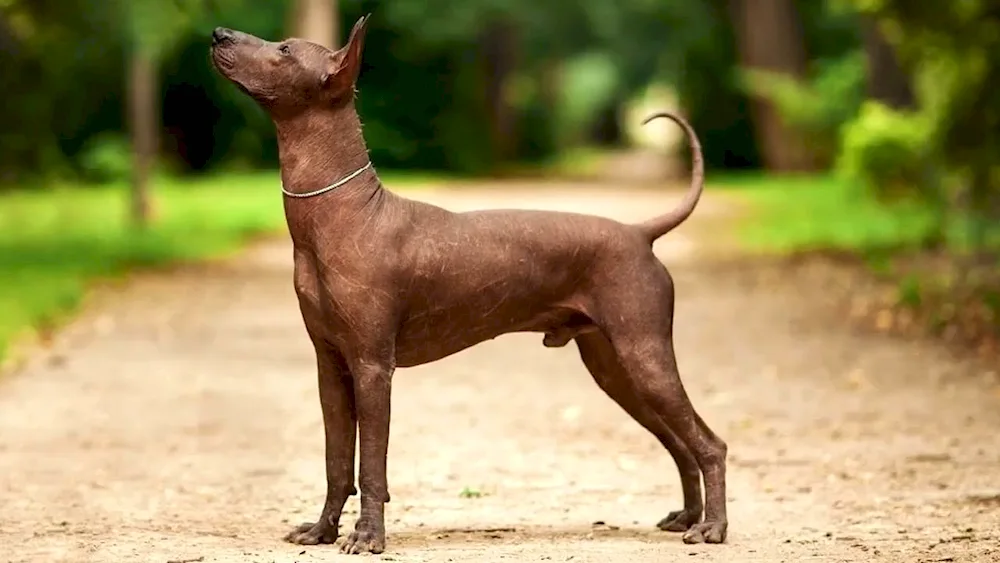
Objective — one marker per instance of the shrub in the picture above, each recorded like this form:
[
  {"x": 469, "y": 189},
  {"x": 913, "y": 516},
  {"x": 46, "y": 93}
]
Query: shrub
[
  {"x": 891, "y": 153},
  {"x": 817, "y": 107},
  {"x": 106, "y": 158}
]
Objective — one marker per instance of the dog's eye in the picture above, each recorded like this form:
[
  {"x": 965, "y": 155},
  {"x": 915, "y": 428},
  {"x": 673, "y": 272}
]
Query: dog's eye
[{"x": 285, "y": 50}]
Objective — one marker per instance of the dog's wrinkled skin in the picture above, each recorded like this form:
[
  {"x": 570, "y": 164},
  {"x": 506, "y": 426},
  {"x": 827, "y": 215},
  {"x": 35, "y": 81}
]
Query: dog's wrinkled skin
[{"x": 386, "y": 282}]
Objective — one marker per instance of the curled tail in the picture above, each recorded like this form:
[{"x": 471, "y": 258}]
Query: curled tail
[{"x": 659, "y": 226}]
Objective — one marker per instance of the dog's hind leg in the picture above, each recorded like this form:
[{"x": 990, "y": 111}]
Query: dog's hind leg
[
  {"x": 649, "y": 364},
  {"x": 599, "y": 357},
  {"x": 636, "y": 313},
  {"x": 340, "y": 425}
]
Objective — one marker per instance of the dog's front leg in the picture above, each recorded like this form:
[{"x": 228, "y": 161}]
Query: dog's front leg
[
  {"x": 336, "y": 397},
  {"x": 372, "y": 375}
]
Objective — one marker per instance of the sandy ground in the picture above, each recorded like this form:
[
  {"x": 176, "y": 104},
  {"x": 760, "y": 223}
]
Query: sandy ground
[{"x": 177, "y": 419}]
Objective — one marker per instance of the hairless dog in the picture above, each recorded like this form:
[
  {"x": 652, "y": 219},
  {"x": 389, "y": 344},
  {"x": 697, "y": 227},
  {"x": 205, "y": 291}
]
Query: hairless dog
[{"x": 384, "y": 281}]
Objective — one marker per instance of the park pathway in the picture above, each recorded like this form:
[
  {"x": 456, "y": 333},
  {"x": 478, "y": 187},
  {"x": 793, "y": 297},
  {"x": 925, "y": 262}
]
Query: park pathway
[{"x": 177, "y": 419}]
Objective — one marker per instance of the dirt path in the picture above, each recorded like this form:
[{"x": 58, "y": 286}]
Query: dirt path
[{"x": 178, "y": 419}]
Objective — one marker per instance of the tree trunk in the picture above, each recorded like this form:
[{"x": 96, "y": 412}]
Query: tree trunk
[
  {"x": 607, "y": 128},
  {"x": 769, "y": 37},
  {"x": 499, "y": 50},
  {"x": 887, "y": 82},
  {"x": 550, "y": 90},
  {"x": 142, "y": 89},
  {"x": 316, "y": 21}
]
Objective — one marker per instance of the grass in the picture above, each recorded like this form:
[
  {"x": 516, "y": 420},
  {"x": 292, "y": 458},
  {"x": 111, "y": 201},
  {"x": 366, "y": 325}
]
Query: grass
[
  {"x": 55, "y": 243},
  {"x": 810, "y": 213},
  {"x": 468, "y": 492},
  {"x": 801, "y": 215}
]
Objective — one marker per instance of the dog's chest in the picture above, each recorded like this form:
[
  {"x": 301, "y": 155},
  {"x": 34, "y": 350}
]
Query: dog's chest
[
  {"x": 337, "y": 301},
  {"x": 307, "y": 287}
]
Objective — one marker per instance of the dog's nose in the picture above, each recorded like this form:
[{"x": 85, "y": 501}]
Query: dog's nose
[{"x": 221, "y": 35}]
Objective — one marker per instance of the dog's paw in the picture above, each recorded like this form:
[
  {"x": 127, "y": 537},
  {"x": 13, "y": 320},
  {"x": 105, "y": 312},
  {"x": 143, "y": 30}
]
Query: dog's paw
[
  {"x": 706, "y": 532},
  {"x": 367, "y": 537},
  {"x": 679, "y": 520},
  {"x": 312, "y": 534}
]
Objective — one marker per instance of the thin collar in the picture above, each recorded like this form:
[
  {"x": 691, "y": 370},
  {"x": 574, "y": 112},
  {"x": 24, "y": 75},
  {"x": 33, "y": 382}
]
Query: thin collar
[{"x": 332, "y": 186}]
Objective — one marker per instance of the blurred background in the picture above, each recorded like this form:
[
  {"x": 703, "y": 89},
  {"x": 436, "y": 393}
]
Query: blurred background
[{"x": 863, "y": 125}]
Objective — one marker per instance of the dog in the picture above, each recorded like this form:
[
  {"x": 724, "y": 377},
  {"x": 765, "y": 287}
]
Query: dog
[{"x": 383, "y": 281}]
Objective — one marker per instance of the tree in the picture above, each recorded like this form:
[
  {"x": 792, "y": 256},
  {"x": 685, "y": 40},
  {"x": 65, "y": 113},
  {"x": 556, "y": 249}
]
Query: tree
[
  {"x": 143, "y": 109},
  {"x": 527, "y": 51},
  {"x": 953, "y": 51},
  {"x": 770, "y": 39},
  {"x": 498, "y": 45},
  {"x": 887, "y": 82},
  {"x": 154, "y": 27},
  {"x": 40, "y": 85}
]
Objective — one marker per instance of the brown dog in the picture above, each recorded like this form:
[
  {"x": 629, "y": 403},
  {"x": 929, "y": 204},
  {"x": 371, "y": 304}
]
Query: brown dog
[{"x": 386, "y": 282}]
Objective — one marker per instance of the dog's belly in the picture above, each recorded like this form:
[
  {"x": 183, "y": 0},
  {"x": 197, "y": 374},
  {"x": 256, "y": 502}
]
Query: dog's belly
[
  {"x": 487, "y": 274},
  {"x": 437, "y": 335}
]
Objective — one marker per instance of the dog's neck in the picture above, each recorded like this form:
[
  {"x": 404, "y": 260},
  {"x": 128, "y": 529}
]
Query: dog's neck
[{"x": 319, "y": 148}]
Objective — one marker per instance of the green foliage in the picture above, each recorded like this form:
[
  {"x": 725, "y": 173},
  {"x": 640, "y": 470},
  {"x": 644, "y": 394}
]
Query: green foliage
[
  {"x": 422, "y": 84},
  {"x": 468, "y": 493},
  {"x": 817, "y": 107},
  {"x": 106, "y": 158},
  {"x": 830, "y": 29},
  {"x": 589, "y": 81},
  {"x": 50, "y": 62},
  {"x": 620, "y": 46},
  {"x": 991, "y": 298},
  {"x": 807, "y": 213},
  {"x": 154, "y": 26},
  {"x": 55, "y": 242},
  {"x": 954, "y": 50},
  {"x": 701, "y": 63},
  {"x": 891, "y": 153},
  {"x": 910, "y": 291},
  {"x": 606, "y": 52},
  {"x": 835, "y": 87}
]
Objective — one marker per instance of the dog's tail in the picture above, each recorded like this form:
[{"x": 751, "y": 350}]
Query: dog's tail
[{"x": 659, "y": 226}]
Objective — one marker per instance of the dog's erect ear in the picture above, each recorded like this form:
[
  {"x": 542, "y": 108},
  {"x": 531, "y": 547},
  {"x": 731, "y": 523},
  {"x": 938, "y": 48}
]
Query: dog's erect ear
[{"x": 346, "y": 63}]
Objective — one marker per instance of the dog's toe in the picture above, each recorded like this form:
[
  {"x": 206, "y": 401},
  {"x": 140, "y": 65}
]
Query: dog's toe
[
  {"x": 364, "y": 539},
  {"x": 706, "y": 532}
]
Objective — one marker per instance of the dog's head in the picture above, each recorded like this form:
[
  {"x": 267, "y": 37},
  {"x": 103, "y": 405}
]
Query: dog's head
[{"x": 290, "y": 76}]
